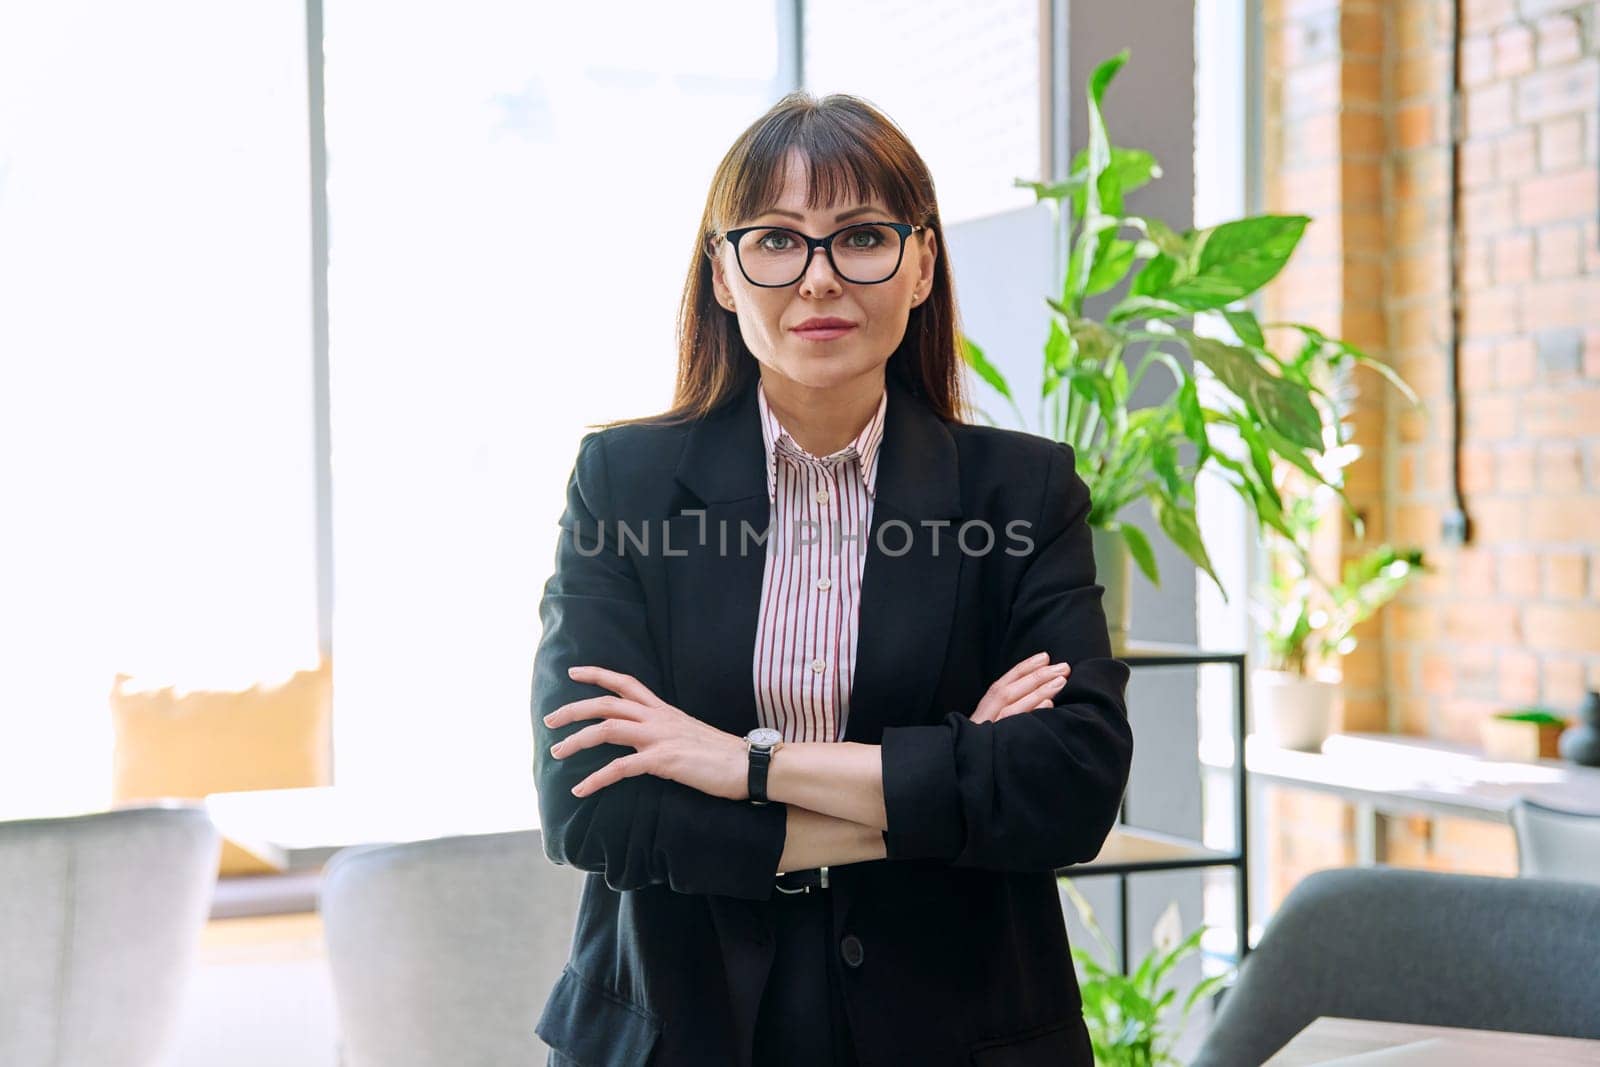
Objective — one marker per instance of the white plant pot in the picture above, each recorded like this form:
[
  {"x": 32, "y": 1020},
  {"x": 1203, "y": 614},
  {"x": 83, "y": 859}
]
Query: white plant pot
[
  {"x": 1291, "y": 711},
  {"x": 1113, "y": 567}
]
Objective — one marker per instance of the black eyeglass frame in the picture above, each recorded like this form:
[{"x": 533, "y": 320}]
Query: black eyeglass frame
[{"x": 904, "y": 229}]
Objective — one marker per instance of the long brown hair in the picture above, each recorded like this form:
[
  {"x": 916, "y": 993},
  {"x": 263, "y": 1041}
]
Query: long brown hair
[{"x": 849, "y": 147}]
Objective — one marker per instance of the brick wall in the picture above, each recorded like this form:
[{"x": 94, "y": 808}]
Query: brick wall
[{"x": 1357, "y": 136}]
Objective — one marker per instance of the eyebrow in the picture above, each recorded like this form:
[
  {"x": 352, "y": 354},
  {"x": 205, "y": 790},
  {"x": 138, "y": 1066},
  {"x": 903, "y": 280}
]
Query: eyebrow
[{"x": 852, "y": 213}]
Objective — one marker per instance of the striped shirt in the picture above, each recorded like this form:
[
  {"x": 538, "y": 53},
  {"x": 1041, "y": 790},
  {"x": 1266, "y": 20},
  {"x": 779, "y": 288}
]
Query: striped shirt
[{"x": 811, "y": 588}]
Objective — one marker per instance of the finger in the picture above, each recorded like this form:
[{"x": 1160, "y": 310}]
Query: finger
[
  {"x": 1032, "y": 681},
  {"x": 593, "y": 708},
  {"x": 1045, "y": 692},
  {"x": 625, "y": 685},
  {"x": 605, "y": 732},
  {"x": 613, "y": 772}
]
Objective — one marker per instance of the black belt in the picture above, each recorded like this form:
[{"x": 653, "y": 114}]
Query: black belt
[{"x": 802, "y": 881}]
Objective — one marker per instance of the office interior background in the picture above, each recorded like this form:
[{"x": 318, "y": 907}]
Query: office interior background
[{"x": 304, "y": 308}]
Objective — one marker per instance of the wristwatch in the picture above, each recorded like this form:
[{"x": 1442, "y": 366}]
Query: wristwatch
[{"x": 761, "y": 743}]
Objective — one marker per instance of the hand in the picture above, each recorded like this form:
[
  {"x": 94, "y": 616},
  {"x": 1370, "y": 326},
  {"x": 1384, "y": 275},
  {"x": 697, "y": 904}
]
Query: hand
[
  {"x": 1029, "y": 685},
  {"x": 670, "y": 742}
]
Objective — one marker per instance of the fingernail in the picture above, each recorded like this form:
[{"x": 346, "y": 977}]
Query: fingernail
[
  {"x": 1057, "y": 683},
  {"x": 548, "y": 717},
  {"x": 1062, "y": 667},
  {"x": 1037, "y": 655},
  {"x": 572, "y": 670}
]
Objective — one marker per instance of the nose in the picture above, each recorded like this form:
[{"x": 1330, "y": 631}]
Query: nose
[{"x": 820, "y": 276}]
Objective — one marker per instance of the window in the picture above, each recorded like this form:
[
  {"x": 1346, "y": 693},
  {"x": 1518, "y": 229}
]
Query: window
[
  {"x": 483, "y": 170},
  {"x": 977, "y": 131},
  {"x": 155, "y": 400}
]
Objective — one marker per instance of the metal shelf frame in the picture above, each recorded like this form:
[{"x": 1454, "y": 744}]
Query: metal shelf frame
[{"x": 1143, "y": 654}]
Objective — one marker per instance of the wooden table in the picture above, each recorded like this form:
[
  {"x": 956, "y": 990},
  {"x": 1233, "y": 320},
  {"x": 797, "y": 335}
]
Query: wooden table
[{"x": 1330, "y": 1041}]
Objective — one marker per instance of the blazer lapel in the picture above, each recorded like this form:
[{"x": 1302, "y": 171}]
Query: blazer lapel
[
  {"x": 714, "y": 584},
  {"x": 911, "y": 573}
]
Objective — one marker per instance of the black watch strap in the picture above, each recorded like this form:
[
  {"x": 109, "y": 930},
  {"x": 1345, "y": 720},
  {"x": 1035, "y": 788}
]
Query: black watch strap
[{"x": 760, "y": 760}]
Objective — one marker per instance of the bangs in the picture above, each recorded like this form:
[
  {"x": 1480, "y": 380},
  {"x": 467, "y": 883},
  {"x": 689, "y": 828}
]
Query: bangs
[{"x": 844, "y": 161}]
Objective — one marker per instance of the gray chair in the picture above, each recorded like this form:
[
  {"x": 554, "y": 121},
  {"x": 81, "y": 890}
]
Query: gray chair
[
  {"x": 443, "y": 951},
  {"x": 1555, "y": 843},
  {"x": 1416, "y": 947},
  {"x": 100, "y": 924}
]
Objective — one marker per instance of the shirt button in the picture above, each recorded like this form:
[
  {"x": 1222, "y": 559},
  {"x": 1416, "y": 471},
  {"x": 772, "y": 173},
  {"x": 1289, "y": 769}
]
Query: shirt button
[
  {"x": 822, "y": 496},
  {"x": 818, "y": 665},
  {"x": 824, "y": 584},
  {"x": 850, "y": 949}
]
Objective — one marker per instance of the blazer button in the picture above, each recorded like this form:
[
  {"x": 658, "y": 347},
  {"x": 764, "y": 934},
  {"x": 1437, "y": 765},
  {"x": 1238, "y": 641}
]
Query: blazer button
[{"x": 850, "y": 949}]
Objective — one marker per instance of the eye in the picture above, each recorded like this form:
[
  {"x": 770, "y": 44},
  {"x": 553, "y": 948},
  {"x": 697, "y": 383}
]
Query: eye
[
  {"x": 873, "y": 237},
  {"x": 777, "y": 235}
]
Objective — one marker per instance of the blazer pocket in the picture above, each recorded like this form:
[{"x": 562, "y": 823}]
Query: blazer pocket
[
  {"x": 1064, "y": 1044},
  {"x": 595, "y": 1027}
]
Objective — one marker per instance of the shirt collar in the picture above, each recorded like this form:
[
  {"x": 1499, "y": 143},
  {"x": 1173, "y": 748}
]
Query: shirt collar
[{"x": 865, "y": 445}]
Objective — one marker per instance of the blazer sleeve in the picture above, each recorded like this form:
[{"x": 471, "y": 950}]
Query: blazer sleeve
[
  {"x": 1039, "y": 790},
  {"x": 642, "y": 830}
]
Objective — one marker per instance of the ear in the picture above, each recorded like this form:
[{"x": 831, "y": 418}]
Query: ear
[
  {"x": 719, "y": 283},
  {"x": 927, "y": 252}
]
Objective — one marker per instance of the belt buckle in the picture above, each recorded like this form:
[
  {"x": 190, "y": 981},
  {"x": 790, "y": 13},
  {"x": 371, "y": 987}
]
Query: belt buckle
[{"x": 822, "y": 876}]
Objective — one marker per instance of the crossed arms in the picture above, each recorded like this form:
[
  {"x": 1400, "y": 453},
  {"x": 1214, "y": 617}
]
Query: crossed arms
[{"x": 1011, "y": 791}]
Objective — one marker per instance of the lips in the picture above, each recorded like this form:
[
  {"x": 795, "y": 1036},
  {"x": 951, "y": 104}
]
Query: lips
[{"x": 824, "y": 329}]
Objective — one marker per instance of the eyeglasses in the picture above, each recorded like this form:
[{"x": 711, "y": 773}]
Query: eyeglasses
[{"x": 865, "y": 253}]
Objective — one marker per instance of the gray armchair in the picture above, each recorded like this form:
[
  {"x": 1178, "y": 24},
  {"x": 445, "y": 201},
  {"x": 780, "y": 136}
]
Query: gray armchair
[
  {"x": 100, "y": 924},
  {"x": 1415, "y": 947},
  {"x": 1554, "y": 843},
  {"x": 444, "y": 951}
]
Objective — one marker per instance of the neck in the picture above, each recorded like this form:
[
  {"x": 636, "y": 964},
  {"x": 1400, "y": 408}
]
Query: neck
[{"x": 823, "y": 420}]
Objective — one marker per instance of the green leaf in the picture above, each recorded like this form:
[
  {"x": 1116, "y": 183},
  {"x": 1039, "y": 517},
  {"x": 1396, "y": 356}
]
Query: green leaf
[
  {"x": 1128, "y": 169},
  {"x": 1057, "y": 349},
  {"x": 1194, "y": 423},
  {"x": 1139, "y": 549},
  {"x": 1171, "y": 243},
  {"x": 986, "y": 370},
  {"x": 1276, "y": 401},
  {"x": 1112, "y": 266},
  {"x": 1133, "y": 307},
  {"x": 1086, "y": 250},
  {"x": 1387, "y": 371},
  {"x": 1180, "y": 525},
  {"x": 1096, "y": 344},
  {"x": 1227, "y": 262},
  {"x": 1245, "y": 327},
  {"x": 1202, "y": 989},
  {"x": 1042, "y": 191},
  {"x": 1155, "y": 277}
]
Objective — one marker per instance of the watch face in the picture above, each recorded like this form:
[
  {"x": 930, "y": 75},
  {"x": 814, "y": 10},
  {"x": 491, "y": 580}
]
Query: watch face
[{"x": 763, "y": 735}]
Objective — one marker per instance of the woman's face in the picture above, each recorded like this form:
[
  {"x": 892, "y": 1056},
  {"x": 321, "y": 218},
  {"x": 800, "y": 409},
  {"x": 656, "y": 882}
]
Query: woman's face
[{"x": 768, "y": 317}]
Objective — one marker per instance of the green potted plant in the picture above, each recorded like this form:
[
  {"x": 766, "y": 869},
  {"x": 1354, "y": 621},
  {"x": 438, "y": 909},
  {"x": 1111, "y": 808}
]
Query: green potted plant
[
  {"x": 1303, "y": 619},
  {"x": 1256, "y": 407},
  {"x": 1524, "y": 734},
  {"x": 1124, "y": 1012},
  {"x": 1300, "y": 617}
]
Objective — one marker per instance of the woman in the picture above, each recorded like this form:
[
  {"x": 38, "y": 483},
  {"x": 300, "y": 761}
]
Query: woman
[{"x": 812, "y": 541}]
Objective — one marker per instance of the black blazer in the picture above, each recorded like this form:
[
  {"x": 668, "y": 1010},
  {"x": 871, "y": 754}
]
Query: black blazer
[{"x": 965, "y": 957}]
